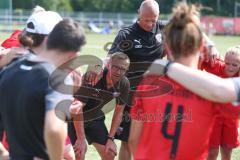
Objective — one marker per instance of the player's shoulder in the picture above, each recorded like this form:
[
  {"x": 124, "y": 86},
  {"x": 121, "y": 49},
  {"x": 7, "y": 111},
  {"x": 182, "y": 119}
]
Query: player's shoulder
[
  {"x": 153, "y": 80},
  {"x": 125, "y": 31}
]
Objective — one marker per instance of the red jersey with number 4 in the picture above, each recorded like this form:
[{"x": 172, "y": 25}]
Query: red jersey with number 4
[{"x": 177, "y": 124}]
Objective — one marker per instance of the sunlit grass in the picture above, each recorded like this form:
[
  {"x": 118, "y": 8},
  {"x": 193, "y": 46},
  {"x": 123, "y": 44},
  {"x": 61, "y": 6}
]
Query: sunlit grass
[{"x": 94, "y": 46}]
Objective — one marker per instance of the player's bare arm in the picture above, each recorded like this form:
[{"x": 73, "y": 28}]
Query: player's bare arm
[
  {"x": 135, "y": 133},
  {"x": 116, "y": 120}
]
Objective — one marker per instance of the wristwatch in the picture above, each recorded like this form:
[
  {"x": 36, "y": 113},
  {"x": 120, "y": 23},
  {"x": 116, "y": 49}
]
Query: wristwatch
[
  {"x": 166, "y": 67},
  {"x": 111, "y": 138}
]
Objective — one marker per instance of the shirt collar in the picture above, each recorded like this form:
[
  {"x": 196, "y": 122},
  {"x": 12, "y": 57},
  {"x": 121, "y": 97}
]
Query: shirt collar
[{"x": 140, "y": 28}]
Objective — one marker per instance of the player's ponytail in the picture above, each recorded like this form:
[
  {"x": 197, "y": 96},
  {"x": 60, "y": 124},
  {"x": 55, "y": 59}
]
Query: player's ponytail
[{"x": 183, "y": 34}]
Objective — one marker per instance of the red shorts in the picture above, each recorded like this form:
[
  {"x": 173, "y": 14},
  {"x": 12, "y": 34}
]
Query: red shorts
[{"x": 224, "y": 133}]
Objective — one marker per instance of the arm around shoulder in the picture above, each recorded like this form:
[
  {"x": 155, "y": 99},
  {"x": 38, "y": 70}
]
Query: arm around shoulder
[{"x": 204, "y": 84}]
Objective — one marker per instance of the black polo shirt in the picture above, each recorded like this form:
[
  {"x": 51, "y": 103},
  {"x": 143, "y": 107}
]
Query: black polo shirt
[
  {"x": 25, "y": 97},
  {"x": 99, "y": 95},
  {"x": 140, "y": 46}
]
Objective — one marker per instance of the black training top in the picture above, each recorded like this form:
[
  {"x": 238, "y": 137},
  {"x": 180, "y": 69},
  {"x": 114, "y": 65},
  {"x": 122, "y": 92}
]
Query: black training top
[
  {"x": 25, "y": 97},
  {"x": 97, "y": 96},
  {"x": 140, "y": 46}
]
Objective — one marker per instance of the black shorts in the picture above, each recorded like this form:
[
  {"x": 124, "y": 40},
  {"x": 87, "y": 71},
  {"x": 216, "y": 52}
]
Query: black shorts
[
  {"x": 95, "y": 132},
  {"x": 124, "y": 128}
]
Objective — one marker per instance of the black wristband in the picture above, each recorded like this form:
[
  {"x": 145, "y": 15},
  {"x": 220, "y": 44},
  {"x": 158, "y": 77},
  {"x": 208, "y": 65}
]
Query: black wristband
[
  {"x": 166, "y": 67},
  {"x": 111, "y": 138}
]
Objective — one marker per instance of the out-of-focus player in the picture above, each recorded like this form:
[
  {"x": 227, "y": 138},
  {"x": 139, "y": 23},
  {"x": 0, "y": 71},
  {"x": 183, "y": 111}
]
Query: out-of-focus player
[{"x": 225, "y": 129}]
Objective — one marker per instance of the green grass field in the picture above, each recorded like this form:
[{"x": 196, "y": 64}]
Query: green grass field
[{"x": 95, "y": 45}]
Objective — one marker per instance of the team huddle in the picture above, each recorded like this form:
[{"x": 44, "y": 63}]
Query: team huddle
[{"x": 49, "y": 109}]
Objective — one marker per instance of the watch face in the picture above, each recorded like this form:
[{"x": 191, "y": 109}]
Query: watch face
[
  {"x": 112, "y": 138},
  {"x": 116, "y": 94}
]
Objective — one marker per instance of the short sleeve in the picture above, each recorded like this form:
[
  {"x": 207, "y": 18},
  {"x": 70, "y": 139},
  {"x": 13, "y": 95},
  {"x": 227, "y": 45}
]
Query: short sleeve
[
  {"x": 118, "y": 39},
  {"x": 124, "y": 92},
  {"x": 54, "y": 99},
  {"x": 56, "y": 95}
]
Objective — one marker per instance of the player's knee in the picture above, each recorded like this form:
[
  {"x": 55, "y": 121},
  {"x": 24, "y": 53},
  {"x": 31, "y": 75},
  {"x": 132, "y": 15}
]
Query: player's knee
[
  {"x": 212, "y": 154},
  {"x": 108, "y": 157},
  {"x": 226, "y": 152},
  {"x": 227, "y": 148}
]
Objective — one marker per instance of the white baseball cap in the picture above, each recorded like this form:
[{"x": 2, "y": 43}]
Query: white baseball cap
[{"x": 42, "y": 22}]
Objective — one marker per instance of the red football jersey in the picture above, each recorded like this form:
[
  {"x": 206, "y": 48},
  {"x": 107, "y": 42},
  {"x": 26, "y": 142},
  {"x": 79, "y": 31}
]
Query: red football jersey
[
  {"x": 177, "y": 124},
  {"x": 217, "y": 68},
  {"x": 12, "y": 41},
  {"x": 225, "y": 129}
]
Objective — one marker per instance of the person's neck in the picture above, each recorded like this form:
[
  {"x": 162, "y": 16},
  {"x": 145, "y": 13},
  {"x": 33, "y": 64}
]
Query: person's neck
[
  {"x": 190, "y": 61},
  {"x": 141, "y": 26},
  {"x": 56, "y": 58},
  {"x": 38, "y": 50}
]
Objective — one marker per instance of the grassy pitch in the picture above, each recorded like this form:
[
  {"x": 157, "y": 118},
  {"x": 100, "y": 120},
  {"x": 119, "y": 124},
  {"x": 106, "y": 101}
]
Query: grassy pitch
[{"x": 95, "y": 45}]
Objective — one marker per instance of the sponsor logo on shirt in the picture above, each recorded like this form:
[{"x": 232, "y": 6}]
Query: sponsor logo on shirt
[
  {"x": 159, "y": 37},
  {"x": 138, "y": 41},
  {"x": 139, "y": 45}
]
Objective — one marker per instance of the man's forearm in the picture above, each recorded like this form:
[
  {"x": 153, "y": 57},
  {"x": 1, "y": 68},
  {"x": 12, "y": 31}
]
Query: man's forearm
[
  {"x": 135, "y": 134},
  {"x": 116, "y": 120},
  {"x": 76, "y": 110},
  {"x": 79, "y": 126}
]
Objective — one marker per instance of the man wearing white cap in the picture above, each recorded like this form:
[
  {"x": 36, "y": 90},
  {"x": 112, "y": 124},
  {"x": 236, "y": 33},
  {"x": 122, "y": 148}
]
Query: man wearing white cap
[{"x": 39, "y": 25}]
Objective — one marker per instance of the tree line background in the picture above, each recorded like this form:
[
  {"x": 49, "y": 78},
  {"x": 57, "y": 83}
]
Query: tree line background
[{"x": 214, "y": 7}]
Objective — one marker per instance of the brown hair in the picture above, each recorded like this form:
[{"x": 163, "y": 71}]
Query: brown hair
[
  {"x": 30, "y": 39},
  {"x": 67, "y": 35},
  {"x": 183, "y": 34}
]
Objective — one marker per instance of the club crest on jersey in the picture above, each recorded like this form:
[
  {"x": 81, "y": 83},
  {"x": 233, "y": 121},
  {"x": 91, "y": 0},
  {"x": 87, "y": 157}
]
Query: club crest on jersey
[{"x": 159, "y": 37}]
